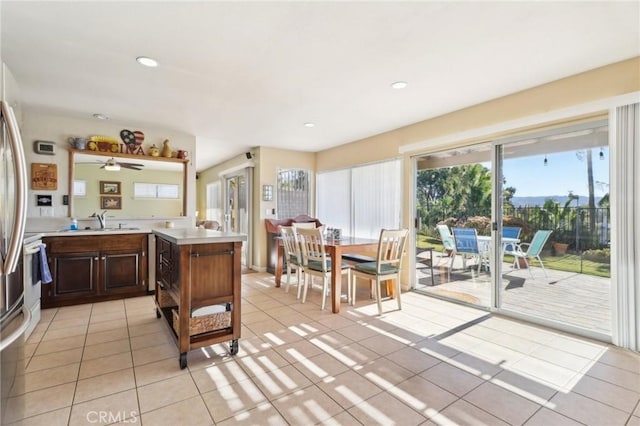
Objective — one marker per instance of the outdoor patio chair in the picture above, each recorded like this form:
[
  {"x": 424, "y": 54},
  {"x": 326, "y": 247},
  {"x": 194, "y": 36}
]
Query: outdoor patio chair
[
  {"x": 292, "y": 255},
  {"x": 387, "y": 266},
  {"x": 510, "y": 232},
  {"x": 466, "y": 240},
  {"x": 315, "y": 262},
  {"x": 448, "y": 243},
  {"x": 534, "y": 248}
]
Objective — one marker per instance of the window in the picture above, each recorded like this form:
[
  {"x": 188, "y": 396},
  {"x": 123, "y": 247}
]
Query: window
[
  {"x": 79, "y": 188},
  {"x": 214, "y": 202},
  {"x": 361, "y": 200},
  {"x": 292, "y": 193},
  {"x": 156, "y": 190}
]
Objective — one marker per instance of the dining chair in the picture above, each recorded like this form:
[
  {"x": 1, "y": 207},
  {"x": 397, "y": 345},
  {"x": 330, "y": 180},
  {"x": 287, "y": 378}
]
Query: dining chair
[
  {"x": 466, "y": 240},
  {"x": 316, "y": 263},
  {"x": 292, "y": 255},
  {"x": 533, "y": 250},
  {"x": 387, "y": 266}
]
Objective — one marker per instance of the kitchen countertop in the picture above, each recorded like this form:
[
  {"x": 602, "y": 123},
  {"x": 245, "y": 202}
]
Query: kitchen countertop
[
  {"x": 181, "y": 236},
  {"x": 88, "y": 232}
]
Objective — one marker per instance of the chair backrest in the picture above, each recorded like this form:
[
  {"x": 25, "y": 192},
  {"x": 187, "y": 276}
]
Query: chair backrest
[
  {"x": 312, "y": 246},
  {"x": 306, "y": 225},
  {"x": 466, "y": 240},
  {"x": 446, "y": 237},
  {"x": 511, "y": 231},
  {"x": 537, "y": 243},
  {"x": 290, "y": 243},
  {"x": 391, "y": 248}
]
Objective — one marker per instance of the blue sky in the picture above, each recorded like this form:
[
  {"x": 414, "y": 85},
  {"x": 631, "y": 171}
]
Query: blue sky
[{"x": 564, "y": 171}]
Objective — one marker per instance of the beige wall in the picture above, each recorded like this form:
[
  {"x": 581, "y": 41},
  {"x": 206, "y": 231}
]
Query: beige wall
[{"x": 56, "y": 128}]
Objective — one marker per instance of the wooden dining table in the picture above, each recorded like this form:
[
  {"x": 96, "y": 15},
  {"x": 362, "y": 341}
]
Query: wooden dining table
[{"x": 335, "y": 249}]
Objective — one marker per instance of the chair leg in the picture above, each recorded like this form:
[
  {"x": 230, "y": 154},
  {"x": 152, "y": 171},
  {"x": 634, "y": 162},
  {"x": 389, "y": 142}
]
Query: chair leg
[
  {"x": 542, "y": 265},
  {"x": 349, "y": 283},
  {"x": 354, "y": 286},
  {"x": 324, "y": 291},
  {"x": 306, "y": 286},
  {"x": 286, "y": 290},
  {"x": 398, "y": 293},
  {"x": 300, "y": 284},
  {"x": 378, "y": 290}
]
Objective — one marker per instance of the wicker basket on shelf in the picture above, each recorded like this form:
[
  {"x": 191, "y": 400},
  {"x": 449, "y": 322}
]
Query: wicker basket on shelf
[
  {"x": 166, "y": 299},
  {"x": 205, "y": 323}
]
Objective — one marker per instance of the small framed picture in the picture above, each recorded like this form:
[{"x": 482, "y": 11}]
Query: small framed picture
[
  {"x": 43, "y": 200},
  {"x": 111, "y": 203},
  {"x": 109, "y": 188}
]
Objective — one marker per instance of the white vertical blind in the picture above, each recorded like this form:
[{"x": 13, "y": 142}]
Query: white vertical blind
[
  {"x": 361, "y": 200},
  {"x": 626, "y": 251},
  {"x": 214, "y": 202},
  {"x": 334, "y": 199},
  {"x": 376, "y": 198}
]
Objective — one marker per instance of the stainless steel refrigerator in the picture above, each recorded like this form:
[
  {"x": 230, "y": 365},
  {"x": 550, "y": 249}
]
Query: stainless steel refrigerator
[{"x": 14, "y": 317}]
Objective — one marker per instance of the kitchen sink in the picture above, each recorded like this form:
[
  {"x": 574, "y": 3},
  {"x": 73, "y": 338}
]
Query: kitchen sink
[{"x": 98, "y": 229}]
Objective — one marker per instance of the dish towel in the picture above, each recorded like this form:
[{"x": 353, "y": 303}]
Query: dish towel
[{"x": 45, "y": 273}]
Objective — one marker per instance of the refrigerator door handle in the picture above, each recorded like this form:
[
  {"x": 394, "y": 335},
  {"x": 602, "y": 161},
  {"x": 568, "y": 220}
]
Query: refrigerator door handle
[
  {"x": 19, "y": 331},
  {"x": 20, "y": 213}
]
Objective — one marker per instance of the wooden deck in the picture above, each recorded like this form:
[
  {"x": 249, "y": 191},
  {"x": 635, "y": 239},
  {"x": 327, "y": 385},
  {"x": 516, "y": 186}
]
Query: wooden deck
[{"x": 576, "y": 299}]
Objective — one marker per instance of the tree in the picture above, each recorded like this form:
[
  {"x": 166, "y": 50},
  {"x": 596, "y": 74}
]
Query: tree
[{"x": 458, "y": 191}]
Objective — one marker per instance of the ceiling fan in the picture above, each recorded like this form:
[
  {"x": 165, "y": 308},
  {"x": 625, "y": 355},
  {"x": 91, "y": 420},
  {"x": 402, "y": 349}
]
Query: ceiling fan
[{"x": 113, "y": 166}]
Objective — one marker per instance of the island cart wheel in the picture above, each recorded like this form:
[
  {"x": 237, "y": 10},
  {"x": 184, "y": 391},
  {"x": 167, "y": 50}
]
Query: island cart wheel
[
  {"x": 234, "y": 346},
  {"x": 183, "y": 360},
  {"x": 158, "y": 314}
]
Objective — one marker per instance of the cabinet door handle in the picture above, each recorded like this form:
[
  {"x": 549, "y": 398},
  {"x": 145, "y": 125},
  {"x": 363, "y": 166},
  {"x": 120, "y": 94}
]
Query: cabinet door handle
[
  {"x": 104, "y": 257},
  {"x": 96, "y": 258}
]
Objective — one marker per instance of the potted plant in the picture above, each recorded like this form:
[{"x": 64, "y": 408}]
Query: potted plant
[{"x": 561, "y": 240}]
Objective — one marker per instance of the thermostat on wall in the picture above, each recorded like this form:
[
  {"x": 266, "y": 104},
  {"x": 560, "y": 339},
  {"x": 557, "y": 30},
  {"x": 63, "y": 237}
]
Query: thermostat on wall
[{"x": 44, "y": 147}]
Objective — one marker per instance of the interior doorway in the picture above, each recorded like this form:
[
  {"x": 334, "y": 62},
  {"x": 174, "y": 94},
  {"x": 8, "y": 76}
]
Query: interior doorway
[{"x": 237, "y": 217}]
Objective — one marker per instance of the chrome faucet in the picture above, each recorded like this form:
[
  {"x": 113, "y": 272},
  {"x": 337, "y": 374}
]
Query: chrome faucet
[{"x": 102, "y": 218}]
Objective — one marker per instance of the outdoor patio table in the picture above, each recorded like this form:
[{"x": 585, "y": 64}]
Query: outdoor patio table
[{"x": 484, "y": 244}]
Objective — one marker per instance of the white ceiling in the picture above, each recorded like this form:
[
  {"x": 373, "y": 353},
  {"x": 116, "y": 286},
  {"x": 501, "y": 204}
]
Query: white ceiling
[{"x": 244, "y": 74}]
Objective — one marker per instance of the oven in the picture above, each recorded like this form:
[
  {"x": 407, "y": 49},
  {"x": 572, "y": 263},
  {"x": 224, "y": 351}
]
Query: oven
[{"x": 32, "y": 281}]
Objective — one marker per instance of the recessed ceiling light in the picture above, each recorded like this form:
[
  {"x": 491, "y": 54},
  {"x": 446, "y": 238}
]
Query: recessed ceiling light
[
  {"x": 309, "y": 124},
  {"x": 147, "y": 62},
  {"x": 100, "y": 116},
  {"x": 399, "y": 84}
]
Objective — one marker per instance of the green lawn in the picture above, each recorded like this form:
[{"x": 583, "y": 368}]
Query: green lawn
[{"x": 567, "y": 262}]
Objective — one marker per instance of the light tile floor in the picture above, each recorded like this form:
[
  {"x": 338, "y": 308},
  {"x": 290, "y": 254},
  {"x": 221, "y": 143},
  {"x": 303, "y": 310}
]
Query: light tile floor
[{"x": 431, "y": 363}]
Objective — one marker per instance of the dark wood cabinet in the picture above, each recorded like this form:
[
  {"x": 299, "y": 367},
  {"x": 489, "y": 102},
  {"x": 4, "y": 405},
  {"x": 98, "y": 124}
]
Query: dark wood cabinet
[
  {"x": 93, "y": 268},
  {"x": 198, "y": 289}
]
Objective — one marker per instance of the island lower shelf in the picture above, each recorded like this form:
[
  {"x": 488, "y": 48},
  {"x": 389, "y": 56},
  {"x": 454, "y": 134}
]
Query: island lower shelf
[{"x": 198, "y": 288}]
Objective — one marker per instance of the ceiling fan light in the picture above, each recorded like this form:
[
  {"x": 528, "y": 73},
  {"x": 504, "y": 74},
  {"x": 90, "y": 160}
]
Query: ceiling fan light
[{"x": 112, "y": 166}]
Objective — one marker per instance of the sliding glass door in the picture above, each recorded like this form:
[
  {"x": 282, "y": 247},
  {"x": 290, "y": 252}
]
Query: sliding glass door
[
  {"x": 453, "y": 191},
  {"x": 555, "y": 218},
  {"x": 520, "y": 225}
]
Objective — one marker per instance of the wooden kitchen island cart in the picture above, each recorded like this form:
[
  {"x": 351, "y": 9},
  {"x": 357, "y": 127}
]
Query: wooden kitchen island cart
[{"x": 198, "y": 286}]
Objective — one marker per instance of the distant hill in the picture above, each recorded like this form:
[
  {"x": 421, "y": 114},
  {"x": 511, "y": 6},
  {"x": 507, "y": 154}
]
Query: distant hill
[{"x": 539, "y": 200}]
